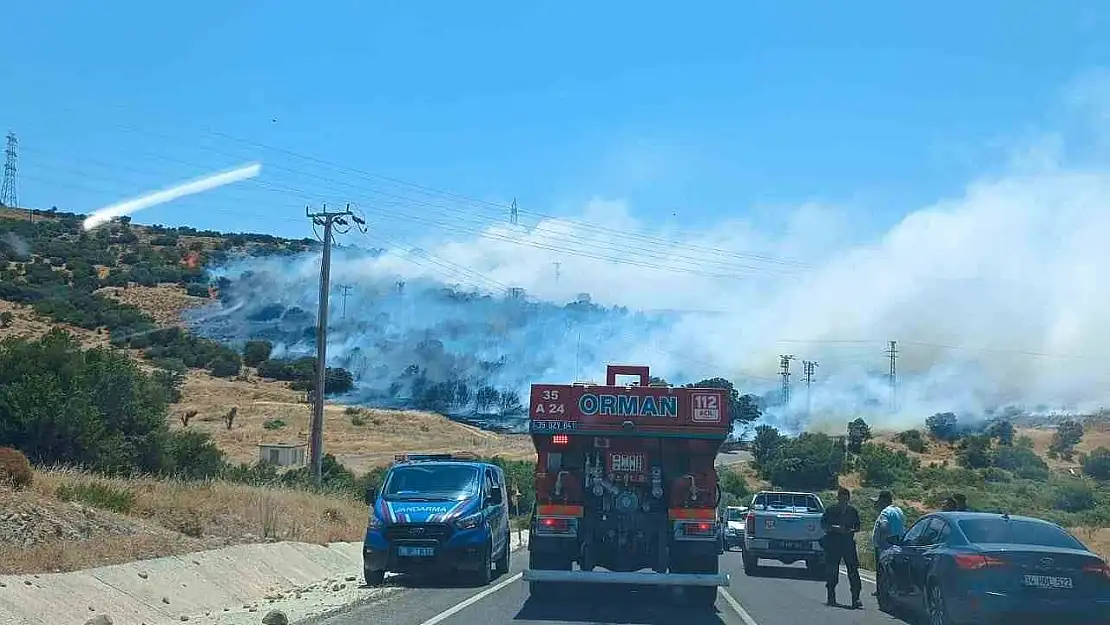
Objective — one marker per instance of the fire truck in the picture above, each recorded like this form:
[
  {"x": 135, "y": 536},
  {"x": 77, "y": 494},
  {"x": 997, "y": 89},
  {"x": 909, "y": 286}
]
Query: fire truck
[{"x": 626, "y": 487}]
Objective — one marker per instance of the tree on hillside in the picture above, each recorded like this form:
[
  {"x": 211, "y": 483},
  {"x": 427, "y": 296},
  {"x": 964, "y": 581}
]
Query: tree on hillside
[
  {"x": 766, "y": 444},
  {"x": 913, "y": 440},
  {"x": 1003, "y": 430},
  {"x": 254, "y": 352},
  {"x": 811, "y": 462},
  {"x": 95, "y": 408},
  {"x": 944, "y": 426},
  {"x": 1067, "y": 436},
  {"x": 1097, "y": 463},
  {"x": 880, "y": 465},
  {"x": 858, "y": 433},
  {"x": 975, "y": 451}
]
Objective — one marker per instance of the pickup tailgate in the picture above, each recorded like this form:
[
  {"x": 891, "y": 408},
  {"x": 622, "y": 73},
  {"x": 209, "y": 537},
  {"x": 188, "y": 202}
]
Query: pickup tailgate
[{"x": 786, "y": 525}]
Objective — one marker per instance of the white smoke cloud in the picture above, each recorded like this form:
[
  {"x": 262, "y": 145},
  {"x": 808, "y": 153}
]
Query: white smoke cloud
[{"x": 997, "y": 296}]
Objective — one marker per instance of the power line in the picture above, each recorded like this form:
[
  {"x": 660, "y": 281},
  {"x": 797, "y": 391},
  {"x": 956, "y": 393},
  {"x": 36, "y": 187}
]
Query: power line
[{"x": 327, "y": 220}]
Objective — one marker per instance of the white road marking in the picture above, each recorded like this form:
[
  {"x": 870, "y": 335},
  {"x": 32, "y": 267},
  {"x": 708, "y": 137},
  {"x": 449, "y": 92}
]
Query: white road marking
[
  {"x": 866, "y": 578},
  {"x": 735, "y": 605},
  {"x": 459, "y": 607}
]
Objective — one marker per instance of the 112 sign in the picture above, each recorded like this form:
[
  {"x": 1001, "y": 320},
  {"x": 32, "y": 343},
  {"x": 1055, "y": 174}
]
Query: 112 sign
[{"x": 707, "y": 408}]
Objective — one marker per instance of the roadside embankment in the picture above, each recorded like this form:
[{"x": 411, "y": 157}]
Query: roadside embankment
[{"x": 229, "y": 586}]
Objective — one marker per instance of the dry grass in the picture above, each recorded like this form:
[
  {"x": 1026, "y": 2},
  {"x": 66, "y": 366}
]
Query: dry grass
[
  {"x": 28, "y": 324},
  {"x": 164, "y": 303},
  {"x": 166, "y": 517},
  {"x": 382, "y": 434}
]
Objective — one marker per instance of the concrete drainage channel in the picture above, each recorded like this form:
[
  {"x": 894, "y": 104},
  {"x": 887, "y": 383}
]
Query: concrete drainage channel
[{"x": 274, "y": 584}]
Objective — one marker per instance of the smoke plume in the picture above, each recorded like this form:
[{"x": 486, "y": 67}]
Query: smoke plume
[{"x": 996, "y": 296}]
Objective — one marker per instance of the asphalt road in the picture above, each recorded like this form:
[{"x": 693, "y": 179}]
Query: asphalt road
[
  {"x": 779, "y": 596},
  {"x": 733, "y": 457}
]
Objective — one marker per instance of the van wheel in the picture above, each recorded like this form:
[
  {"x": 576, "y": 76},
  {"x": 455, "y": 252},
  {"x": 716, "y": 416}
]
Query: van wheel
[
  {"x": 502, "y": 565},
  {"x": 484, "y": 575}
]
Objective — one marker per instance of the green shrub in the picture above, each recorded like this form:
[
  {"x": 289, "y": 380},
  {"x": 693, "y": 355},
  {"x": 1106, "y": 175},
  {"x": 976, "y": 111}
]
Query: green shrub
[
  {"x": 98, "y": 494},
  {"x": 15, "y": 469}
]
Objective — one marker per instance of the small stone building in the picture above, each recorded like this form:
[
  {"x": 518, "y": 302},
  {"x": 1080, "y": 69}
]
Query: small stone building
[{"x": 283, "y": 454}]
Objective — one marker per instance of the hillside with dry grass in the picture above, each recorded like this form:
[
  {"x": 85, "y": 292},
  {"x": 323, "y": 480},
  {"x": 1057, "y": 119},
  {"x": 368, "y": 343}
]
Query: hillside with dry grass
[
  {"x": 69, "y": 520},
  {"x": 119, "y": 265}
]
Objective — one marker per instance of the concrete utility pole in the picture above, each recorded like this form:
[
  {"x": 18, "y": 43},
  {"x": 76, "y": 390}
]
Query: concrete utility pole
[
  {"x": 807, "y": 369},
  {"x": 784, "y": 371},
  {"x": 328, "y": 220},
  {"x": 893, "y": 354}
]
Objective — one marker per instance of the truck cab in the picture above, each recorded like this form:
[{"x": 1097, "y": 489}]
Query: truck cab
[{"x": 438, "y": 513}]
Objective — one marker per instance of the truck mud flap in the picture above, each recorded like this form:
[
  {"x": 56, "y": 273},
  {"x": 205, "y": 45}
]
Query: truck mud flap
[{"x": 635, "y": 578}]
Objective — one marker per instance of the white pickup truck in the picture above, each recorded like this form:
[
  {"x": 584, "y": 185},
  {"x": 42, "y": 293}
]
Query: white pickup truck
[{"x": 786, "y": 527}]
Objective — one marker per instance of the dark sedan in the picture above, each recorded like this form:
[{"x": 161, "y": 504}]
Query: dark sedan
[{"x": 973, "y": 567}]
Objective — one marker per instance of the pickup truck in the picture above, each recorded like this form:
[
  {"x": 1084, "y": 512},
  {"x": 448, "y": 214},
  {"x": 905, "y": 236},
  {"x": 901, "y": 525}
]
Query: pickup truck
[{"x": 784, "y": 526}]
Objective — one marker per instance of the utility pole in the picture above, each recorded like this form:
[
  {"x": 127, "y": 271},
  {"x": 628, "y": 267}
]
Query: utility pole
[
  {"x": 557, "y": 264},
  {"x": 514, "y": 213},
  {"x": 346, "y": 288},
  {"x": 892, "y": 352},
  {"x": 784, "y": 371},
  {"x": 807, "y": 368},
  {"x": 328, "y": 220}
]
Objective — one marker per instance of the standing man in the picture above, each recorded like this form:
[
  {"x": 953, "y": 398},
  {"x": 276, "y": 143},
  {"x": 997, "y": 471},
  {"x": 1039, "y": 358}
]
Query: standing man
[
  {"x": 841, "y": 522},
  {"x": 890, "y": 523}
]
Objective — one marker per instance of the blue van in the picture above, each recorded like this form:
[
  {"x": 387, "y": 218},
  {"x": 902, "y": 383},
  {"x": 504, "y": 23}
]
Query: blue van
[{"x": 438, "y": 513}]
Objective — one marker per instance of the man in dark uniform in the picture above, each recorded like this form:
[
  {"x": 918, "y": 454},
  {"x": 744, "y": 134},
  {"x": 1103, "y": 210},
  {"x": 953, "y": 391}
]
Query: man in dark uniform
[{"x": 841, "y": 522}]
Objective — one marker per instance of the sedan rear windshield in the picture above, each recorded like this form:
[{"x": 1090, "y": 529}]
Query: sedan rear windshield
[
  {"x": 1016, "y": 532},
  {"x": 777, "y": 501}
]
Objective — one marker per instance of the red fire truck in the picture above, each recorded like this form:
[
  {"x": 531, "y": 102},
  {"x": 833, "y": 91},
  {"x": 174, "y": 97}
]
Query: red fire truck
[{"x": 626, "y": 487}]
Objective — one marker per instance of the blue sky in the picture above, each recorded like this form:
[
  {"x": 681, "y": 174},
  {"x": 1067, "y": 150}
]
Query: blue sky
[{"x": 691, "y": 112}]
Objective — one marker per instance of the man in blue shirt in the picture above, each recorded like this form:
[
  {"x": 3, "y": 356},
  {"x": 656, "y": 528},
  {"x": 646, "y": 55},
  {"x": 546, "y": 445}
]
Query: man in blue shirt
[{"x": 890, "y": 523}]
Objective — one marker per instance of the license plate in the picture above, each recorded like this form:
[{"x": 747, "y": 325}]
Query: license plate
[
  {"x": 629, "y": 463},
  {"x": 793, "y": 544},
  {"x": 1047, "y": 581},
  {"x": 416, "y": 552}
]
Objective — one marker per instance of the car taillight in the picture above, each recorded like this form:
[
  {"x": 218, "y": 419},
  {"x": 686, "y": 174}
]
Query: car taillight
[
  {"x": 1098, "y": 568},
  {"x": 973, "y": 562}
]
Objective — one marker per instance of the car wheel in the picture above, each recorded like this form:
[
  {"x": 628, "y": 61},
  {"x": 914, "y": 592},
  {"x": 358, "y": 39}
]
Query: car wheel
[
  {"x": 502, "y": 565},
  {"x": 885, "y": 594},
  {"x": 373, "y": 578},
  {"x": 936, "y": 607}
]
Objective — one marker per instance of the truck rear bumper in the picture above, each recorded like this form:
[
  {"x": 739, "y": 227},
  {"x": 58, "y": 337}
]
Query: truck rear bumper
[{"x": 634, "y": 578}]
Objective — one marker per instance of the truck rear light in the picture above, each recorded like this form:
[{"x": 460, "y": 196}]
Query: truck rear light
[
  {"x": 556, "y": 526},
  {"x": 749, "y": 524},
  {"x": 699, "y": 528},
  {"x": 560, "y": 439},
  {"x": 974, "y": 562}
]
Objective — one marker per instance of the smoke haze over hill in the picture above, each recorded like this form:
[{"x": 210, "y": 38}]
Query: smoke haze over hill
[{"x": 997, "y": 296}]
